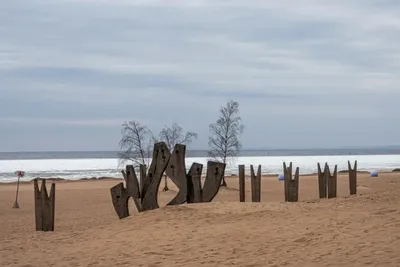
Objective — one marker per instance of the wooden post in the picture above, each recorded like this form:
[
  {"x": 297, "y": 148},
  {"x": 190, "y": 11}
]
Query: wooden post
[
  {"x": 44, "y": 206},
  {"x": 120, "y": 195},
  {"x": 353, "y": 178},
  {"x": 242, "y": 184},
  {"x": 212, "y": 183},
  {"x": 255, "y": 184},
  {"x": 331, "y": 181},
  {"x": 322, "y": 183},
  {"x": 291, "y": 185},
  {"x": 176, "y": 171},
  {"x": 194, "y": 191},
  {"x": 142, "y": 170},
  {"x": 287, "y": 173},
  {"x": 161, "y": 156}
]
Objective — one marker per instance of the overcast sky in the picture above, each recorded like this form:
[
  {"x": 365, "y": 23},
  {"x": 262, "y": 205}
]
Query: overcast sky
[{"x": 315, "y": 74}]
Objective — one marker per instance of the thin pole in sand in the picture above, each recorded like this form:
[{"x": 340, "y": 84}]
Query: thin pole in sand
[{"x": 19, "y": 174}]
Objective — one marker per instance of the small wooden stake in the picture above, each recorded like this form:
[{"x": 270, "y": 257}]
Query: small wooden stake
[
  {"x": 322, "y": 182},
  {"x": 287, "y": 174},
  {"x": 44, "y": 206},
  {"x": 291, "y": 184},
  {"x": 294, "y": 187},
  {"x": 327, "y": 183},
  {"x": 331, "y": 181},
  {"x": 194, "y": 191},
  {"x": 353, "y": 178},
  {"x": 255, "y": 184},
  {"x": 242, "y": 184},
  {"x": 212, "y": 183}
]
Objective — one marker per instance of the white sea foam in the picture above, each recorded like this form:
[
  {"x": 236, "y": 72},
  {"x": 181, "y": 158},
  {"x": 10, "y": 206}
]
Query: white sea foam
[{"x": 87, "y": 168}]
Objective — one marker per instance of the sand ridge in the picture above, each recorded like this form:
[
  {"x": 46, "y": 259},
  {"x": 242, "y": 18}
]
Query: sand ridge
[{"x": 359, "y": 230}]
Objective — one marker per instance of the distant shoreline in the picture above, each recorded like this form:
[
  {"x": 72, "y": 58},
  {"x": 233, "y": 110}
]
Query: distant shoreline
[
  {"x": 84, "y": 168},
  {"x": 56, "y": 179}
]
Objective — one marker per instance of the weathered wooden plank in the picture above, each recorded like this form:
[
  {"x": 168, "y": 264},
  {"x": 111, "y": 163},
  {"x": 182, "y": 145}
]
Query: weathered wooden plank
[
  {"x": 132, "y": 183},
  {"x": 242, "y": 184},
  {"x": 293, "y": 187},
  {"x": 120, "y": 199},
  {"x": 194, "y": 191},
  {"x": 322, "y": 182},
  {"x": 149, "y": 178},
  {"x": 48, "y": 207},
  {"x": 52, "y": 207},
  {"x": 258, "y": 183},
  {"x": 44, "y": 206},
  {"x": 215, "y": 172},
  {"x": 142, "y": 178},
  {"x": 38, "y": 206},
  {"x": 120, "y": 195},
  {"x": 255, "y": 184},
  {"x": 176, "y": 171},
  {"x": 291, "y": 184},
  {"x": 161, "y": 156},
  {"x": 252, "y": 185},
  {"x": 287, "y": 174},
  {"x": 332, "y": 181},
  {"x": 353, "y": 178}
]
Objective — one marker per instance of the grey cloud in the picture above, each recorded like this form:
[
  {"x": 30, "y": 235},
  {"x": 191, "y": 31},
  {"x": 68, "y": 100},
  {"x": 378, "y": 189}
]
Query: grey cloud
[{"x": 82, "y": 66}]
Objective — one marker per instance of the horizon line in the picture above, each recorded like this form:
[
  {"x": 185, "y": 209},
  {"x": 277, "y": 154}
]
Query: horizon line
[{"x": 244, "y": 149}]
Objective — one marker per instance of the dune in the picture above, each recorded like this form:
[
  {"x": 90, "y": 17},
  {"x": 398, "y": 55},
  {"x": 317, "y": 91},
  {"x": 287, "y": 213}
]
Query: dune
[{"x": 360, "y": 230}]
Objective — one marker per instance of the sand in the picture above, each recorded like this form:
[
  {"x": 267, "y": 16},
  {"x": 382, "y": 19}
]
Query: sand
[{"x": 362, "y": 230}]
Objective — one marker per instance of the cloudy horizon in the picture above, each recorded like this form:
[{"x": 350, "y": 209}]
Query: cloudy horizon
[{"x": 320, "y": 75}]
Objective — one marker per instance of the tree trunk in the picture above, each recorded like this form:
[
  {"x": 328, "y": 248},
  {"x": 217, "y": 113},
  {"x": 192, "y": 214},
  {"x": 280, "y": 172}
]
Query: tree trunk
[{"x": 223, "y": 183}]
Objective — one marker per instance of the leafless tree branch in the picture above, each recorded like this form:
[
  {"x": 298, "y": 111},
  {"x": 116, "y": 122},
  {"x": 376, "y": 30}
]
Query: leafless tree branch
[
  {"x": 137, "y": 142},
  {"x": 174, "y": 135},
  {"x": 224, "y": 141}
]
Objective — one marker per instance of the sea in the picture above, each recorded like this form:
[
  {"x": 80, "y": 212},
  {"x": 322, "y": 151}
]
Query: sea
[{"x": 89, "y": 164}]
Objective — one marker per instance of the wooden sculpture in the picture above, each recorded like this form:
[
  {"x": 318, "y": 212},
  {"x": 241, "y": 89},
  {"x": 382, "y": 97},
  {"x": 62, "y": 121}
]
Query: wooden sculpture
[
  {"x": 194, "y": 190},
  {"x": 331, "y": 181},
  {"x": 145, "y": 194},
  {"x": 242, "y": 184},
  {"x": 44, "y": 206},
  {"x": 212, "y": 183},
  {"x": 353, "y": 178},
  {"x": 176, "y": 171},
  {"x": 120, "y": 195},
  {"x": 291, "y": 184},
  {"x": 327, "y": 183},
  {"x": 255, "y": 184}
]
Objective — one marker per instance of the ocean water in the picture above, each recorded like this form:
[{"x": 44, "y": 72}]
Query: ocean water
[{"x": 77, "y": 165}]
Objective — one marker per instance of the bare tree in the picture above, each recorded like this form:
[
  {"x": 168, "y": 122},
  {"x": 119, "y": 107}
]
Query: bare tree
[
  {"x": 137, "y": 142},
  {"x": 224, "y": 141},
  {"x": 174, "y": 135}
]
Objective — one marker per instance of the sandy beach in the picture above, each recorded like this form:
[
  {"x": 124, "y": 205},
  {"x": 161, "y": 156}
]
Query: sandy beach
[{"x": 362, "y": 230}]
